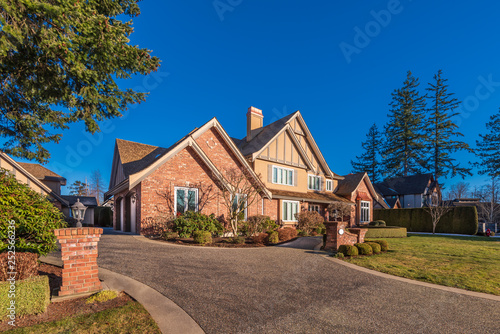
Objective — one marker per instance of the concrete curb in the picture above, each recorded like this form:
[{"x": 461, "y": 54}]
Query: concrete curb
[
  {"x": 407, "y": 280},
  {"x": 169, "y": 317}
]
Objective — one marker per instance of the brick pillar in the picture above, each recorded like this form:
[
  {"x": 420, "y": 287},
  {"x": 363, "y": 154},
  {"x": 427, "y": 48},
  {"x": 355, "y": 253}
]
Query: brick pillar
[
  {"x": 360, "y": 232},
  {"x": 332, "y": 234},
  {"x": 79, "y": 255}
]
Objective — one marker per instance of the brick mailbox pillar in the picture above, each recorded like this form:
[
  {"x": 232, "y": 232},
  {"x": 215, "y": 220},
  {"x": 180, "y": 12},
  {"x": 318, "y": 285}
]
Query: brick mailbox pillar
[
  {"x": 336, "y": 235},
  {"x": 79, "y": 256}
]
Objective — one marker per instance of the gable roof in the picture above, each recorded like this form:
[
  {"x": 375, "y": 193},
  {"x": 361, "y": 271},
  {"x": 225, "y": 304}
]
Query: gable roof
[
  {"x": 391, "y": 202},
  {"x": 268, "y": 133},
  {"x": 406, "y": 185},
  {"x": 41, "y": 172},
  {"x": 349, "y": 184},
  {"x": 140, "y": 160}
]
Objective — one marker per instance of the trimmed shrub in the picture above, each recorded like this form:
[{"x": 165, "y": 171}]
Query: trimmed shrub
[
  {"x": 202, "y": 237},
  {"x": 26, "y": 265},
  {"x": 364, "y": 249},
  {"x": 375, "y": 247},
  {"x": 32, "y": 215},
  {"x": 339, "y": 255},
  {"x": 167, "y": 235},
  {"x": 102, "y": 297},
  {"x": 259, "y": 223},
  {"x": 191, "y": 221},
  {"x": 309, "y": 221},
  {"x": 321, "y": 229},
  {"x": 459, "y": 220},
  {"x": 374, "y": 223},
  {"x": 103, "y": 216},
  {"x": 301, "y": 233},
  {"x": 269, "y": 226},
  {"x": 238, "y": 240},
  {"x": 386, "y": 232},
  {"x": 381, "y": 223},
  {"x": 287, "y": 233},
  {"x": 260, "y": 238},
  {"x": 273, "y": 237},
  {"x": 384, "y": 245},
  {"x": 32, "y": 296},
  {"x": 348, "y": 250}
]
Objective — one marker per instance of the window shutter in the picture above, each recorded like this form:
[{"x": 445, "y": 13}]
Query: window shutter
[
  {"x": 295, "y": 178},
  {"x": 270, "y": 173}
]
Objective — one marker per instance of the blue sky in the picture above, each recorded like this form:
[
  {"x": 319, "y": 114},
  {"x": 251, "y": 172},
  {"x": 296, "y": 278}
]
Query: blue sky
[{"x": 282, "y": 56}]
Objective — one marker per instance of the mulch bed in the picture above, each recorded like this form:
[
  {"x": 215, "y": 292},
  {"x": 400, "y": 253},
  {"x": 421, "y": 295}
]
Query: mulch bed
[
  {"x": 59, "y": 310},
  {"x": 216, "y": 242}
]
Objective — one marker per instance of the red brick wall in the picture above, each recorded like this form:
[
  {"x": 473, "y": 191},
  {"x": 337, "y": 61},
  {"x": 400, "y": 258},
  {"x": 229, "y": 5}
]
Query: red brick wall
[{"x": 356, "y": 211}]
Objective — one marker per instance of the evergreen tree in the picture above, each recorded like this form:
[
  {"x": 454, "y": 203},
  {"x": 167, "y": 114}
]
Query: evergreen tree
[
  {"x": 403, "y": 152},
  {"x": 441, "y": 131},
  {"x": 59, "y": 61},
  {"x": 488, "y": 148},
  {"x": 79, "y": 188},
  {"x": 369, "y": 160}
]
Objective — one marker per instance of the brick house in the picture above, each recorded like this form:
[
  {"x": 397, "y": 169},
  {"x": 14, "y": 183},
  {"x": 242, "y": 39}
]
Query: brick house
[
  {"x": 359, "y": 189},
  {"x": 282, "y": 158}
]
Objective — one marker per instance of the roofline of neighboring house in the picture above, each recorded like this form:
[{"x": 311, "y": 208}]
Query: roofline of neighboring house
[{"x": 33, "y": 178}]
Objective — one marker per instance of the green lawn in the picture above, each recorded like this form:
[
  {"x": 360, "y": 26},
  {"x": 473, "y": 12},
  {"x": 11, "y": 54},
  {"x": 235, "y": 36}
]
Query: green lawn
[
  {"x": 471, "y": 263},
  {"x": 130, "y": 318}
]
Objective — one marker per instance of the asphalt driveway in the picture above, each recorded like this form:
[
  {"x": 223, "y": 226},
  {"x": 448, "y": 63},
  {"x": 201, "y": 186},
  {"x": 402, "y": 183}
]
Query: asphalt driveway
[{"x": 286, "y": 290}]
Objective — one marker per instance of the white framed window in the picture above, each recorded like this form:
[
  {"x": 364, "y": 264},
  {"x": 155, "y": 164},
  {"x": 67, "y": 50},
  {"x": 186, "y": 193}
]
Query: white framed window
[
  {"x": 314, "y": 182},
  {"x": 290, "y": 208},
  {"x": 329, "y": 185},
  {"x": 282, "y": 175},
  {"x": 365, "y": 211},
  {"x": 314, "y": 207},
  {"x": 239, "y": 198},
  {"x": 186, "y": 199}
]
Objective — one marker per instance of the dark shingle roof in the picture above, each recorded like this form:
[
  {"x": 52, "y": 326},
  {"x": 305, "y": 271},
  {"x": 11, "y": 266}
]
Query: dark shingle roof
[
  {"x": 406, "y": 185},
  {"x": 39, "y": 171},
  {"x": 263, "y": 137},
  {"x": 136, "y": 156},
  {"x": 349, "y": 183},
  {"x": 391, "y": 202},
  {"x": 89, "y": 201}
]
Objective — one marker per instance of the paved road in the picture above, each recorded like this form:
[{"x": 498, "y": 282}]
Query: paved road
[{"x": 286, "y": 290}]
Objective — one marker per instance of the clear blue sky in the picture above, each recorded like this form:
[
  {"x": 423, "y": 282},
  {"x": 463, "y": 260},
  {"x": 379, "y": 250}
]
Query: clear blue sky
[{"x": 282, "y": 56}]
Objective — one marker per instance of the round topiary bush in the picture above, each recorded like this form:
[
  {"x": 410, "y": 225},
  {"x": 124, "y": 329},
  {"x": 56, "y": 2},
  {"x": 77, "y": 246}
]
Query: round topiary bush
[
  {"x": 364, "y": 249},
  {"x": 202, "y": 237},
  {"x": 384, "y": 245},
  {"x": 374, "y": 223},
  {"x": 273, "y": 237},
  {"x": 375, "y": 247},
  {"x": 348, "y": 250},
  {"x": 381, "y": 223}
]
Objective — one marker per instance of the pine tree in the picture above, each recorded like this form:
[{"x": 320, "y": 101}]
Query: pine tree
[
  {"x": 441, "y": 131},
  {"x": 488, "y": 148},
  {"x": 403, "y": 152},
  {"x": 79, "y": 188},
  {"x": 60, "y": 61},
  {"x": 369, "y": 160}
]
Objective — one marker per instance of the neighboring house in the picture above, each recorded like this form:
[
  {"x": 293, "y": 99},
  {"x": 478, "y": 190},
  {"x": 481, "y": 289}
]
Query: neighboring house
[
  {"x": 150, "y": 181},
  {"x": 89, "y": 201},
  {"x": 414, "y": 191},
  {"x": 359, "y": 189},
  {"x": 38, "y": 178}
]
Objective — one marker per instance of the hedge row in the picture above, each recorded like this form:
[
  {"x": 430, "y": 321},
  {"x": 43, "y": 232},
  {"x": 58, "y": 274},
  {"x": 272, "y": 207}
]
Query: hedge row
[
  {"x": 32, "y": 296},
  {"x": 460, "y": 220},
  {"x": 386, "y": 232}
]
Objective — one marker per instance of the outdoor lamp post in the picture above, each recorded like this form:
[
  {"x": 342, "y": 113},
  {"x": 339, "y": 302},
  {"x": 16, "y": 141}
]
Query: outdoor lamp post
[{"x": 78, "y": 211}]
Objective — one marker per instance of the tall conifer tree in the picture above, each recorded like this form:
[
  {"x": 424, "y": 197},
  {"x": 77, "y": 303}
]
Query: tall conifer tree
[
  {"x": 403, "y": 152},
  {"x": 441, "y": 132},
  {"x": 369, "y": 161},
  {"x": 488, "y": 148}
]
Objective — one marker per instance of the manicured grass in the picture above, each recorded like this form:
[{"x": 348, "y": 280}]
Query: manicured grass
[
  {"x": 471, "y": 263},
  {"x": 130, "y": 318}
]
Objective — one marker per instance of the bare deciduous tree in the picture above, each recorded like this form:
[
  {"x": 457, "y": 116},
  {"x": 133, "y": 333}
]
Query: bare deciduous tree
[
  {"x": 239, "y": 191},
  {"x": 97, "y": 187},
  {"x": 458, "y": 190},
  {"x": 489, "y": 209},
  {"x": 436, "y": 210},
  {"x": 340, "y": 210}
]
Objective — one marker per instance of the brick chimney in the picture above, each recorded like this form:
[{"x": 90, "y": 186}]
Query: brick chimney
[{"x": 255, "y": 120}]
